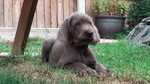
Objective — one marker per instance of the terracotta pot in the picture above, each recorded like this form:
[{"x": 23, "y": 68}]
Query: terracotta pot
[{"x": 109, "y": 25}]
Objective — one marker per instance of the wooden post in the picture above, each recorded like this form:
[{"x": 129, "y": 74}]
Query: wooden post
[{"x": 24, "y": 26}]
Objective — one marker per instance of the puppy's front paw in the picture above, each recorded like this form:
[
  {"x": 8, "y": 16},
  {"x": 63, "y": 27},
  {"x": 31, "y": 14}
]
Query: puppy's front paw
[
  {"x": 88, "y": 71},
  {"x": 101, "y": 69},
  {"x": 104, "y": 70}
]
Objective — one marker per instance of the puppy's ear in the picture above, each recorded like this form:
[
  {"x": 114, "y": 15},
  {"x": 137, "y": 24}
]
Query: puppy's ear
[
  {"x": 64, "y": 31},
  {"x": 96, "y": 31},
  {"x": 97, "y": 35}
]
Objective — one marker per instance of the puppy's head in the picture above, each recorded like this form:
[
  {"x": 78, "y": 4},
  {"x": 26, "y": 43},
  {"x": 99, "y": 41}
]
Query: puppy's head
[{"x": 78, "y": 30}]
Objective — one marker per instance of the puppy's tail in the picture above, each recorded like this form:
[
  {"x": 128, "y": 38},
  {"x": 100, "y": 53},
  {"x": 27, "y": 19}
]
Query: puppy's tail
[{"x": 46, "y": 49}]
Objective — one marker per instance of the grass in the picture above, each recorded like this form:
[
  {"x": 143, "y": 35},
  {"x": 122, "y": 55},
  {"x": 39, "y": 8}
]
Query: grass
[
  {"x": 127, "y": 59},
  {"x": 131, "y": 64},
  {"x": 9, "y": 77}
]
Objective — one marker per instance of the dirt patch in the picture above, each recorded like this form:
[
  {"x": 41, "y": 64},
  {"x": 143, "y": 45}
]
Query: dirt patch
[{"x": 46, "y": 73}]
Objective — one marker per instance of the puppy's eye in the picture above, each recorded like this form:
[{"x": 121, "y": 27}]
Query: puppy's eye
[
  {"x": 77, "y": 24},
  {"x": 89, "y": 23}
]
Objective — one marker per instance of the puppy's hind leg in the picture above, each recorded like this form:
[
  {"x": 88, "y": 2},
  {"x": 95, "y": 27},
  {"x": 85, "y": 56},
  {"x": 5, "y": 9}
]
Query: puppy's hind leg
[{"x": 46, "y": 49}]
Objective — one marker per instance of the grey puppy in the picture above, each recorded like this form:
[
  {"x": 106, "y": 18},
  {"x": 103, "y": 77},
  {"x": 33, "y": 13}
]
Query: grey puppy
[{"x": 71, "y": 47}]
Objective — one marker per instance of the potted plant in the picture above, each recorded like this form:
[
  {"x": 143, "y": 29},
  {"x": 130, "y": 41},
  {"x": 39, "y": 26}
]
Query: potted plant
[{"x": 111, "y": 16}]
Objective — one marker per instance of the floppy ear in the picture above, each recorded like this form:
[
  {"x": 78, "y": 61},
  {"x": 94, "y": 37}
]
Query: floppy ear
[
  {"x": 63, "y": 32},
  {"x": 97, "y": 35},
  {"x": 96, "y": 31}
]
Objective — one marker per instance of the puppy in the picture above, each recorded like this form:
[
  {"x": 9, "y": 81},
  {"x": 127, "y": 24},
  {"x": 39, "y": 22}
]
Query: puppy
[{"x": 71, "y": 47}]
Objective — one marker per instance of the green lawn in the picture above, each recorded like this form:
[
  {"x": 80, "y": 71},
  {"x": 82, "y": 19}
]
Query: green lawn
[{"x": 131, "y": 64}]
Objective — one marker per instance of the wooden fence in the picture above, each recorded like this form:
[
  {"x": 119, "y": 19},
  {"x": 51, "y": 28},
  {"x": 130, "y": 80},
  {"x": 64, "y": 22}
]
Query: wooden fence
[{"x": 49, "y": 13}]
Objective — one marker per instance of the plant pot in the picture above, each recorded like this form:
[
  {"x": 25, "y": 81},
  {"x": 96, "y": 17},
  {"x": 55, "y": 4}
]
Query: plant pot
[{"x": 109, "y": 25}]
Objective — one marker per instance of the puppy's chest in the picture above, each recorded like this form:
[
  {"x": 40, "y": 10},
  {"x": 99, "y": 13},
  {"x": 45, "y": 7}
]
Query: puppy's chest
[{"x": 87, "y": 59}]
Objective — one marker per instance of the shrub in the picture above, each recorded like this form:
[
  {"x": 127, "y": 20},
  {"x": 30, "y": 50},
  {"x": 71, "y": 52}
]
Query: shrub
[
  {"x": 138, "y": 10},
  {"x": 110, "y": 7}
]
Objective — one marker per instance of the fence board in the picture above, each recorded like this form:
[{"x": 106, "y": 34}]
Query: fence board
[
  {"x": 87, "y": 2},
  {"x": 89, "y": 8},
  {"x": 47, "y": 13},
  {"x": 21, "y": 3},
  {"x": 66, "y": 8},
  {"x": 40, "y": 14},
  {"x": 73, "y": 6},
  {"x": 1, "y": 13},
  {"x": 34, "y": 23},
  {"x": 54, "y": 13},
  {"x": 16, "y": 12},
  {"x": 60, "y": 12},
  {"x": 92, "y": 13},
  {"x": 8, "y": 13}
]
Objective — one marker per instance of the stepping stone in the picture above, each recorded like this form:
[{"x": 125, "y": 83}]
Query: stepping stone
[{"x": 108, "y": 41}]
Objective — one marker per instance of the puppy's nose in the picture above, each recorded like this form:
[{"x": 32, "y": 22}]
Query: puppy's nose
[{"x": 89, "y": 34}]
